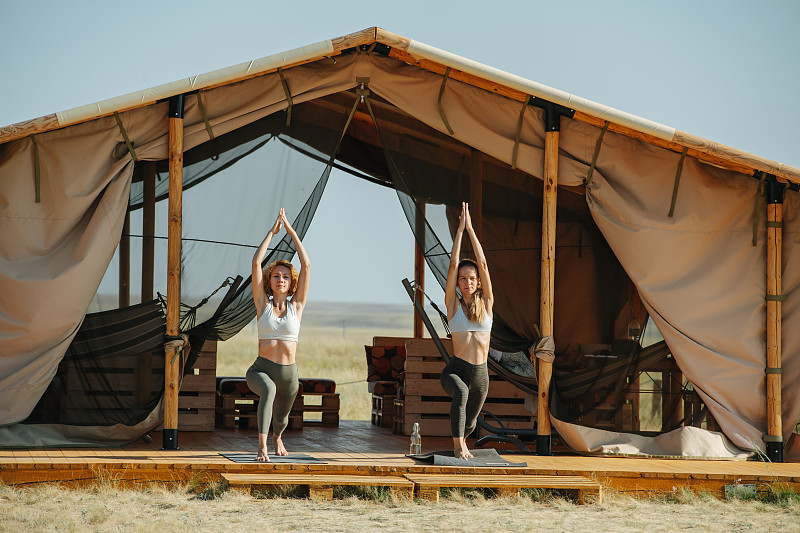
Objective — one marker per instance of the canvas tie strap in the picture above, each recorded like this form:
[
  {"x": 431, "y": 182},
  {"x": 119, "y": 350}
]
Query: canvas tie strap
[
  {"x": 756, "y": 211},
  {"x": 205, "y": 121},
  {"x": 519, "y": 131},
  {"x": 597, "y": 146},
  {"x": 362, "y": 92},
  {"x": 125, "y": 136},
  {"x": 441, "y": 93},
  {"x": 545, "y": 349},
  {"x": 775, "y": 297},
  {"x": 288, "y": 96},
  {"x": 677, "y": 182},
  {"x": 771, "y": 370},
  {"x": 37, "y": 176},
  {"x": 772, "y": 438}
]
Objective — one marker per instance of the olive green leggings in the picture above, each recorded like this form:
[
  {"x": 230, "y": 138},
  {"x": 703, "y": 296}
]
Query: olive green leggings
[{"x": 276, "y": 386}]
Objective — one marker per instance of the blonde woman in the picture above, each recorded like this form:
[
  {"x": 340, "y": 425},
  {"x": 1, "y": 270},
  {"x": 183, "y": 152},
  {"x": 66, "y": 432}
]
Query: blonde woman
[
  {"x": 466, "y": 376},
  {"x": 279, "y": 293}
]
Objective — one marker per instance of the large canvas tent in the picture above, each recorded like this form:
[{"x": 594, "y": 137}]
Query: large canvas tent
[{"x": 578, "y": 200}]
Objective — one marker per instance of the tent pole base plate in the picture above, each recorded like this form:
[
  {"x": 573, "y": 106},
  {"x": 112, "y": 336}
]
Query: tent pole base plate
[
  {"x": 170, "y": 441},
  {"x": 775, "y": 452},
  {"x": 543, "y": 445}
]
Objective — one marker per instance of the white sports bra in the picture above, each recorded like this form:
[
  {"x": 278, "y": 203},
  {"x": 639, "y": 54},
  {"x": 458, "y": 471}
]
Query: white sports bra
[
  {"x": 271, "y": 327},
  {"x": 460, "y": 323}
]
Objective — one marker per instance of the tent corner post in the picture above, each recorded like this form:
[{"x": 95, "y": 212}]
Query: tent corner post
[
  {"x": 774, "y": 436},
  {"x": 546, "y": 302},
  {"x": 174, "y": 235}
]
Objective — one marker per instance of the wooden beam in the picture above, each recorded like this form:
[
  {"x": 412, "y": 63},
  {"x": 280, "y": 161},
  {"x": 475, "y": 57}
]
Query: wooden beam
[
  {"x": 699, "y": 148},
  {"x": 148, "y": 229},
  {"x": 175, "y": 222},
  {"x": 547, "y": 284},
  {"x": 774, "y": 282},
  {"x": 125, "y": 262},
  {"x": 419, "y": 266}
]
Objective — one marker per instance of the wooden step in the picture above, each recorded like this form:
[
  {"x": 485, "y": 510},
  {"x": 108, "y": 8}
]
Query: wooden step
[
  {"x": 427, "y": 485},
  {"x": 320, "y": 486}
]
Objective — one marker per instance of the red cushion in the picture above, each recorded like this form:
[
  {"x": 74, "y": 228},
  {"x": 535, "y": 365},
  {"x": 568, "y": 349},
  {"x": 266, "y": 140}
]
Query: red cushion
[
  {"x": 385, "y": 363},
  {"x": 317, "y": 385}
]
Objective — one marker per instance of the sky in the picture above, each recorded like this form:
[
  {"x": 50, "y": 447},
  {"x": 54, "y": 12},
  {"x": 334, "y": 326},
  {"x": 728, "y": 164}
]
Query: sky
[{"x": 723, "y": 70}]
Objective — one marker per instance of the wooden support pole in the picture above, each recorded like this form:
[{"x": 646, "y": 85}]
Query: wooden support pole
[
  {"x": 419, "y": 265},
  {"x": 125, "y": 262},
  {"x": 543, "y": 439},
  {"x": 476, "y": 192},
  {"x": 172, "y": 368},
  {"x": 148, "y": 229},
  {"x": 774, "y": 436}
]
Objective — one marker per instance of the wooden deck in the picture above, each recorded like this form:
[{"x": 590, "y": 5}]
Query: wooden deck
[{"x": 358, "y": 448}]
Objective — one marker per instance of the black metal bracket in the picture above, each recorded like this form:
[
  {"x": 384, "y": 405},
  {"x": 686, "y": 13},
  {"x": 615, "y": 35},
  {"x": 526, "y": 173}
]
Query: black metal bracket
[
  {"x": 170, "y": 441},
  {"x": 774, "y": 190},
  {"x": 775, "y": 452},
  {"x": 552, "y": 113},
  {"x": 176, "y": 106}
]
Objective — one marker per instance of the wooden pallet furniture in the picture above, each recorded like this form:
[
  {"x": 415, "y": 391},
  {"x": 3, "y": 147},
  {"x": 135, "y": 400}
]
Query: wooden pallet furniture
[
  {"x": 426, "y": 486},
  {"x": 383, "y": 410},
  {"x": 384, "y": 389},
  {"x": 237, "y": 405},
  {"x": 320, "y": 486},
  {"x": 397, "y": 417},
  {"x": 428, "y": 404},
  {"x": 196, "y": 398},
  {"x": 326, "y": 404}
]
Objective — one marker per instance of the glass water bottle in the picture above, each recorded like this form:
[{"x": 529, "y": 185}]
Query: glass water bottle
[{"x": 416, "y": 441}]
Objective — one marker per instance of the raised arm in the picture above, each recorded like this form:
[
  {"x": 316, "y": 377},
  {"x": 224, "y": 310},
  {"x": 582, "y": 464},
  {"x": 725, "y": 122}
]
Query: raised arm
[
  {"x": 450, "y": 297},
  {"x": 259, "y": 294},
  {"x": 304, "y": 276},
  {"x": 483, "y": 270}
]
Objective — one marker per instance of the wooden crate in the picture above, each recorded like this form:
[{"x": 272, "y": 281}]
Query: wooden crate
[
  {"x": 236, "y": 411},
  {"x": 326, "y": 404},
  {"x": 428, "y": 404},
  {"x": 383, "y": 410},
  {"x": 196, "y": 398},
  {"x": 397, "y": 417}
]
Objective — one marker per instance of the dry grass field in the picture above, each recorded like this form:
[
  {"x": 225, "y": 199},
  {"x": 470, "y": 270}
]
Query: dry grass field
[{"x": 206, "y": 509}]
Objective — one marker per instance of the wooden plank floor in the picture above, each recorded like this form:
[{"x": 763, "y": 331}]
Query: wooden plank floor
[{"x": 356, "y": 447}]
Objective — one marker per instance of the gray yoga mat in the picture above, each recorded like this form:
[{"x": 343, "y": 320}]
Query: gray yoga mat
[
  {"x": 488, "y": 458},
  {"x": 297, "y": 458}
]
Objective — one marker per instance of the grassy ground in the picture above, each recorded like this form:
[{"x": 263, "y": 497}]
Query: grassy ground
[{"x": 105, "y": 507}]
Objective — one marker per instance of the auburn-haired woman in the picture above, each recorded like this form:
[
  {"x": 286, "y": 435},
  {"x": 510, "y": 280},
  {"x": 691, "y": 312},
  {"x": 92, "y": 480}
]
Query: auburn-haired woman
[
  {"x": 466, "y": 376},
  {"x": 280, "y": 295}
]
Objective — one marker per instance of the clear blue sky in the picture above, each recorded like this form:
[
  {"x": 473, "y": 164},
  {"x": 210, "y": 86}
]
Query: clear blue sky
[{"x": 724, "y": 70}]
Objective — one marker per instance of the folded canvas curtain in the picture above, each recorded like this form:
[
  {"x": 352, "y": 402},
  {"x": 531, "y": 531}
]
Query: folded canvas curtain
[{"x": 697, "y": 272}]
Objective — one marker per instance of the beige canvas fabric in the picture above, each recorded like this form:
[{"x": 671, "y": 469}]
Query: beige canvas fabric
[
  {"x": 686, "y": 442},
  {"x": 697, "y": 273},
  {"x": 53, "y": 253}
]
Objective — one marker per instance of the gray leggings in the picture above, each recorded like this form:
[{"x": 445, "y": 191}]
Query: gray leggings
[
  {"x": 468, "y": 384},
  {"x": 276, "y": 386}
]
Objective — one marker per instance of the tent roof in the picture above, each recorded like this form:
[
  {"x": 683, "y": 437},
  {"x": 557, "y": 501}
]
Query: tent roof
[{"x": 434, "y": 60}]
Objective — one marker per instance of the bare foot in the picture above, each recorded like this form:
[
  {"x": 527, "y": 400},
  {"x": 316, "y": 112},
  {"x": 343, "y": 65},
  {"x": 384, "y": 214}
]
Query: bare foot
[
  {"x": 262, "y": 456},
  {"x": 463, "y": 454},
  {"x": 280, "y": 449}
]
